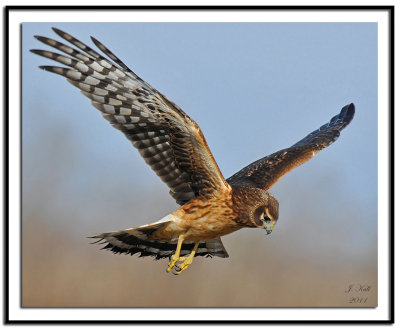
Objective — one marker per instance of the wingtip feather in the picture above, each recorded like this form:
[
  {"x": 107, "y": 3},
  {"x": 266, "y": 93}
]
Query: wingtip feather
[
  {"x": 347, "y": 113},
  {"x": 57, "y": 31},
  {"x": 94, "y": 40},
  {"x": 44, "y": 68}
]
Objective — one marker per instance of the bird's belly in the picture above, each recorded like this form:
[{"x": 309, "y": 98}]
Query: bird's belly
[
  {"x": 200, "y": 220},
  {"x": 209, "y": 228},
  {"x": 204, "y": 228}
]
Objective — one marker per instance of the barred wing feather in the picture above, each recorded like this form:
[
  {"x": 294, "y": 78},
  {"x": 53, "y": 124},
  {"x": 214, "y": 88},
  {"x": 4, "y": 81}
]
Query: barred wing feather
[
  {"x": 267, "y": 171},
  {"x": 166, "y": 137}
]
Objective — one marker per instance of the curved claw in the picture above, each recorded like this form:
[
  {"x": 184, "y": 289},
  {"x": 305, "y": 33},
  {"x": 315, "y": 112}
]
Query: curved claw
[
  {"x": 175, "y": 257},
  {"x": 176, "y": 270},
  {"x": 183, "y": 268},
  {"x": 184, "y": 261},
  {"x": 172, "y": 263},
  {"x": 185, "y": 264}
]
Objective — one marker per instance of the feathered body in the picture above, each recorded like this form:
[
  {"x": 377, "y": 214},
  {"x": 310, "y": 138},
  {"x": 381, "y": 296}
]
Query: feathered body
[
  {"x": 173, "y": 145},
  {"x": 200, "y": 219}
]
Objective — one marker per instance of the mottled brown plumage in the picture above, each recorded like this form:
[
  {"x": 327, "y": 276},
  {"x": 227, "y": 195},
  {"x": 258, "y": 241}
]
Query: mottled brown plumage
[{"x": 175, "y": 148}]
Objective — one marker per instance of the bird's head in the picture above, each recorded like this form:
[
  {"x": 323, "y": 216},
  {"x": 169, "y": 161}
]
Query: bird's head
[
  {"x": 255, "y": 208},
  {"x": 265, "y": 215}
]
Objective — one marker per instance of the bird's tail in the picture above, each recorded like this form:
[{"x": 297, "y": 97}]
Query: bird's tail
[{"x": 138, "y": 241}]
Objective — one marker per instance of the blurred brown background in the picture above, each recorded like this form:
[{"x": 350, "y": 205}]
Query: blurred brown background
[
  {"x": 287, "y": 268},
  {"x": 310, "y": 259}
]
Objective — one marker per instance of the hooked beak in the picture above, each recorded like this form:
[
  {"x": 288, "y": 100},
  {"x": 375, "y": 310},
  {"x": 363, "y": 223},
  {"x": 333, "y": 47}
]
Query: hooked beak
[{"x": 268, "y": 228}]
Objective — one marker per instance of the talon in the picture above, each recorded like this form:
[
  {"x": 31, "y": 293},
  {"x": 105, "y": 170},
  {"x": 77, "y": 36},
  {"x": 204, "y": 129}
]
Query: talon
[
  {"x": 172, "y": 263},
  {"x": 175, "y": 257},
  {"x": 184, "y": 266},
  {"x": 175, "y": 270},
  {"x": 187, "y": 260}
]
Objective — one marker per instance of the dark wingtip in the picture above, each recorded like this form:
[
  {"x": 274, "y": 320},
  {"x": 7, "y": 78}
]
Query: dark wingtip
[
  {"x": 351, "y": 110},
  {"x": 351, "y": 107},
  {"x": 347, "y": 113},
  {"x": 45, "y": 68},
  {"x": 98, "y": 237},
  {"x": 95, "y": 236},
  {"x": 96, "y": 42},
  {"x": 40, "y": 38},
  {"x": 59, "y": 32},
  {"x": 93, "y": 39},
  {"x": 56, "y": 30},
  {"x": 97, "y": 241}
]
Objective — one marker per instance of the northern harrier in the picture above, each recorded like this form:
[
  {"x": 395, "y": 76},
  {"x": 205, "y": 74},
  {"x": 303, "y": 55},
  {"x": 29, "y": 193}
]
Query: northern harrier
[{"x": 174, "y": 147}]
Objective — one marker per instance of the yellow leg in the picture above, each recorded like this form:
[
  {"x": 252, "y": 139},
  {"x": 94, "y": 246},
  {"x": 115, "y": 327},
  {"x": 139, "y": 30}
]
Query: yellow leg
[
  {"x": 175, "y": 257},
  {"x": 188, "y": 259}
]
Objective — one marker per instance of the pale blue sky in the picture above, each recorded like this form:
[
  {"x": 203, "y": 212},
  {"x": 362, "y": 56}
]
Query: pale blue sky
[{"x": 253, "y": 88}]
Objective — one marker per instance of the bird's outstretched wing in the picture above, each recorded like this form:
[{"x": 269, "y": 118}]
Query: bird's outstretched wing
[
  {"x": 267, "y": 171},
  {"x": 166, "y": 137}
]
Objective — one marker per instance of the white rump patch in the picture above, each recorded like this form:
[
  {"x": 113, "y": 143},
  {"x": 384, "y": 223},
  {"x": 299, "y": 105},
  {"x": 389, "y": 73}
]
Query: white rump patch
[{"x": 169, "y": 218}]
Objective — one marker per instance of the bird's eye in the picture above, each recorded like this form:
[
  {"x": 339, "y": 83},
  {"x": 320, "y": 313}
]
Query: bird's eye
[
  {"x": 267, "y": 219},
  {"x": 266, "y": 216}
]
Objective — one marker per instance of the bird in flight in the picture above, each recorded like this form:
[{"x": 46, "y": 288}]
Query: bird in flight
[{"x": 173, "y": 145}]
